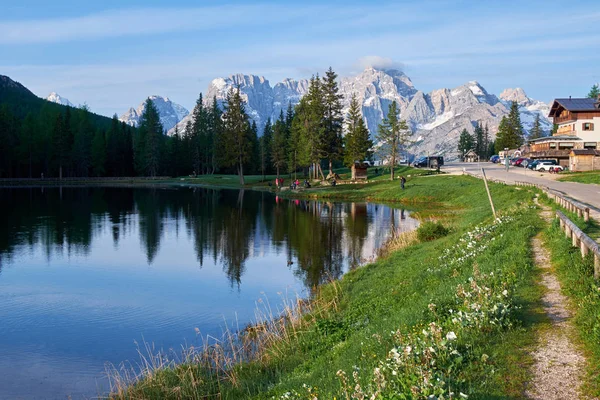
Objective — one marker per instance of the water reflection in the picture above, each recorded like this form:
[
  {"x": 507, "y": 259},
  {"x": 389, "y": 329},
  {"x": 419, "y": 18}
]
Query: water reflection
[
  {"x": 86, "y": 271},
  {"x": 227, "y": 227}
]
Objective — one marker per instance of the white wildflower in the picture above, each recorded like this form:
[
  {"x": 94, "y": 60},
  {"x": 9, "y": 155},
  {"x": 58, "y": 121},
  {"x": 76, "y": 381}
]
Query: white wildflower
[{"x": 451, "y": 335}]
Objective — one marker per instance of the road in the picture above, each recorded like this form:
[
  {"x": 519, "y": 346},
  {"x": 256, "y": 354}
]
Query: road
[{"x": 585, "y": 193}]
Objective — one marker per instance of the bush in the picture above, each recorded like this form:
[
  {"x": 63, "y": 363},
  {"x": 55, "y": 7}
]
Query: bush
[{"x": 431, "y": 230}]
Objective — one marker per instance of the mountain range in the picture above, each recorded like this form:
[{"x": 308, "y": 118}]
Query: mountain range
[
  {"x": 435, "y": 118},
  {"x": 170, "y": 113}
]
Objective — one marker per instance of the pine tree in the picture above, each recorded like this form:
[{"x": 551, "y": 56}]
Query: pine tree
[
  {"x": 479, "y": 139},
  {"x": 309, "y": 113},
  {"x": 82, "y": 144},
  {"x": 486, "y": 138},
  {"x": 148, "y": 145},
  {"x": 515, "y": 122},
  {"x": 594, "y": 92},
  {"x": 27, "y": 142},
  {"x": 510, "y": 130},
  {"x": 333, "y": 118},
  {"x": 266, "y": 139},
  {"x": 215, "y": 133},
  {"x": 59, "y": 145},
  {"x": 236, "y": 142},
  {"x": 393, "y": 134},
  {"x": 358, "y": 143},
  {"x": 199, "y": 136},
  {"x": 465, "y": 143},
  {"x": 536, "y": 131},
  {"x": 99, "y": 153},
  {"x": 252, "y": 165},
  {"x": 279, "y": 144}
]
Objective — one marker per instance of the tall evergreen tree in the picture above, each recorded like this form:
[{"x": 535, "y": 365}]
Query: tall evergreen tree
[
  {"x": 236, "y": 128},
  {"x": 27, "y": 143},
  {"x": 82, "y": 144},
  {"x": 358, "y": 142},
  {"x": 536, "y": 131},
  {"x": 309, "y": 114},
  {"x": 149, "y": 143},
  {"x": 60, "y": 151},
  {"x": 594, "y": 92},
  {"x": 465, "y": 143},
  {"x": 486, "y": 138},
  {"x": 510, "y": 130},
  {"x": 215, "y": 134},
  {"x": 479, "y": 139},
  {"x": 199, "y": 136},
  {"x": 333, "y": 118},
  {"x": 265, "y": 148},
  {"x": 393, "y": 134},
  {"x": 252, "y": 164},
  {"x": 279, "y": 144}
]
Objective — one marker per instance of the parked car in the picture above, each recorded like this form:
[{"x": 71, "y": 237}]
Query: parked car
[
  {"x": 495, "y": 159},
  {"x": 547, "y": 166},
  {"x": 430, "y": 162},
  {"x": 535, "y": 163},
  {"x": 523, "y": 162},
  {"x": 514, "y": 161}
]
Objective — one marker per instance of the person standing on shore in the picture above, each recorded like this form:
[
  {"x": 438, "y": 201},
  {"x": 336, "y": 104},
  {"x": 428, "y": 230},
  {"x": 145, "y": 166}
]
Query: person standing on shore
[{"x": 402, "y": 182}]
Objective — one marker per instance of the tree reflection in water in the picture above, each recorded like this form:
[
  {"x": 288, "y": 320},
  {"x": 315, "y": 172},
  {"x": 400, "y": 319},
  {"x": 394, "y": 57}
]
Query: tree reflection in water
[{"x": 320, "y": 239}]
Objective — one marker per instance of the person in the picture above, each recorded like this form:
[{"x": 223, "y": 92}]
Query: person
[
  {"x": 297, "y": 183},
  {"x": 402, "y": 182},
  {"x": 333, "y": 182},
  {"x": 306, "y": 184},
  {"x": 277, "y": 182}
]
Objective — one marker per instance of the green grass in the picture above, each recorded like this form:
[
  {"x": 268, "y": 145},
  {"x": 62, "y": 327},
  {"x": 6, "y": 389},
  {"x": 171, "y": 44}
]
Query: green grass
[
  {"x": 592, "y": 177},
  {"x": 353, "y": 332},
  {"x": 577, "y": 282}
]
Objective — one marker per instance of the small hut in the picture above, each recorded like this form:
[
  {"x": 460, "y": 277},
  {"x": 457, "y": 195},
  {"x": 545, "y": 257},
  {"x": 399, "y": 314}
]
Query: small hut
[
  {"x": 471, "y": 156},
  {"x": 359, "y": 170},
  {"x": 584, "y": 160}
]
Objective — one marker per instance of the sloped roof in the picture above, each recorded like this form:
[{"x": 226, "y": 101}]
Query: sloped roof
[
  {"x": 586, "y": 152},
  {"x": 581, "y": 104},
  {"x": 556, "y": 137}
]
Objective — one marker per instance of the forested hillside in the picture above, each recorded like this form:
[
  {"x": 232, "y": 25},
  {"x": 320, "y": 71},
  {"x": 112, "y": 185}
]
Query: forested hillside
[{"x": 40, "y": 137}]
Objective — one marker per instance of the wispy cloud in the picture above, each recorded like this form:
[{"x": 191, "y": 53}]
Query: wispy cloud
[{"x": 144, "y": 21}]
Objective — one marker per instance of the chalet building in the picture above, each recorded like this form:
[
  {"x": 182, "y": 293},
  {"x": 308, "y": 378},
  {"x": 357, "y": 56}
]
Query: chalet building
[
  {"x": 471, "y": 156},
  {"x": 578, "y": 128}
]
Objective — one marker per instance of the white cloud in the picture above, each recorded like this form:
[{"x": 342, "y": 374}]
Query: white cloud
[{"x": 378, "y": 62}]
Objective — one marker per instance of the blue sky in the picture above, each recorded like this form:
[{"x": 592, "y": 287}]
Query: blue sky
[{"x": 112, "y": 54}]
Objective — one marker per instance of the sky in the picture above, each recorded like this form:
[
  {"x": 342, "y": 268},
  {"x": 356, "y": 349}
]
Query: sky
[{"x": 112, "y": 54}]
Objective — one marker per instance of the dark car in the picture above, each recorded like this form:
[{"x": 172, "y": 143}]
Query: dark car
[
  {"x": 429, "y": 162},
  {"x": 495, "y": 159}
]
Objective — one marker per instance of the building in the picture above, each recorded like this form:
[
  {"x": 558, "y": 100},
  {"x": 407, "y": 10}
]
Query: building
[
  {"x": 578, "y": 128},
  {"x": 359, "y": 170},
  {"x": 584, "y": 160},
  {"x": 471, "y": 156}
]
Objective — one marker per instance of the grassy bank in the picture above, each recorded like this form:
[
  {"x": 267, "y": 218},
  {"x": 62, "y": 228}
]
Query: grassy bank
[
  {"x": 576, "y": 277},
  {"x": 582, "y": 177},
  {"x": 438, "y": 318}
]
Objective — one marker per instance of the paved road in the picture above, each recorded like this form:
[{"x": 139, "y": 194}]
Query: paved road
[{"x": 585, "y": 193}]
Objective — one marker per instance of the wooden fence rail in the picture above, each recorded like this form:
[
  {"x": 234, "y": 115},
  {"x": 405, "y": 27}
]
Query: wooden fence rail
[
  {"x": 580, "y": 240},
  {"x": 573, "y": 206}
]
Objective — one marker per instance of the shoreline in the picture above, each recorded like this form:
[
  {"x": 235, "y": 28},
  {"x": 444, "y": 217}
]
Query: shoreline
[{"x": 333, "y": 330}]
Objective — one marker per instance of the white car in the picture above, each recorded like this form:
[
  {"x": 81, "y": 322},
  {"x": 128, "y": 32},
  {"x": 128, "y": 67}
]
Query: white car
[{"x": 545, "y": 166}]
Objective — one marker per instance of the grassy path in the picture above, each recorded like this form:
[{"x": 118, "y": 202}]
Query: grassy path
[{"x": 558, "y": 368}]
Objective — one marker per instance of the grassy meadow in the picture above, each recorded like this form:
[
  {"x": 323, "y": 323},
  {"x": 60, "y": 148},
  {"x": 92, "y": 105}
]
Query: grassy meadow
[
  {"x": 592, "y": 177},
  {"x": 451, "y": 315}
]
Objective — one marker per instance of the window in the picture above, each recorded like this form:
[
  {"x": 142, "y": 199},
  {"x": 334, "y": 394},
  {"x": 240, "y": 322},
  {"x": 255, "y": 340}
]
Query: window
[
  {"x": 589, "y": 145},
  {"x": 565, "y": 145},
  {"x": 587, "y": 126},
  {"x": 552, "y": 145}
]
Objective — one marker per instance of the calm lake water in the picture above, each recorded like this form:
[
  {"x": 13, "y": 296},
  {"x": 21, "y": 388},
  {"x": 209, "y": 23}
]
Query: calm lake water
[{"x": 86, "y": 273}]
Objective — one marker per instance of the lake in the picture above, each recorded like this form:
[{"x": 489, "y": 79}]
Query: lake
[{"x": 89, "y": 273}]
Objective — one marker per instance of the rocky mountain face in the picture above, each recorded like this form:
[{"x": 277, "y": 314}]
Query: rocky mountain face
[
  {"x": 435, "y": 118},
  {"x": 528, "y": 108},
  {"x": 56, "y": 98},
  {"x": 170, "y": 113}
]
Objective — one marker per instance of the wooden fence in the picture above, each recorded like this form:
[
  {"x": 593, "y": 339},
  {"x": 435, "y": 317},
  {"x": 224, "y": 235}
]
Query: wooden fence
[
  {"x": 573, "y": 206},
  {"x": 580, "y": 240}
]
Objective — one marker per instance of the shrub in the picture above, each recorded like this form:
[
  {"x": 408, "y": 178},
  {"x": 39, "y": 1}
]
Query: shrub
[{"x": 431, "y": 230}]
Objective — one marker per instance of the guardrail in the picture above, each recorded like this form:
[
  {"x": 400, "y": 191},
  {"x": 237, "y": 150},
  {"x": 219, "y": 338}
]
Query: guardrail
[
  {"x": 573, "y": 206},
  {"x": 580, "y": 240}
]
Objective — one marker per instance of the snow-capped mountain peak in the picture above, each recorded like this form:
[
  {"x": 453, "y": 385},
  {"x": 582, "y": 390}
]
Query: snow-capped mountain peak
[
  {"x": 170, "y": 113},
  {"x": 56, "y": 98}
]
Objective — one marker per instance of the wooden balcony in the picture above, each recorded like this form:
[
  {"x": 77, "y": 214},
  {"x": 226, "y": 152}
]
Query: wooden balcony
[{"x": 564, "y": 153}]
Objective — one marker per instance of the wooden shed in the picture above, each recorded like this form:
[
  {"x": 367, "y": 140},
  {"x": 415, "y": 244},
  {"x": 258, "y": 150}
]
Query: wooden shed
[
  {"x": 471, "y": 156},
  {"x": 584, "y": 160},
  {"x": 359, "y": 170}
]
